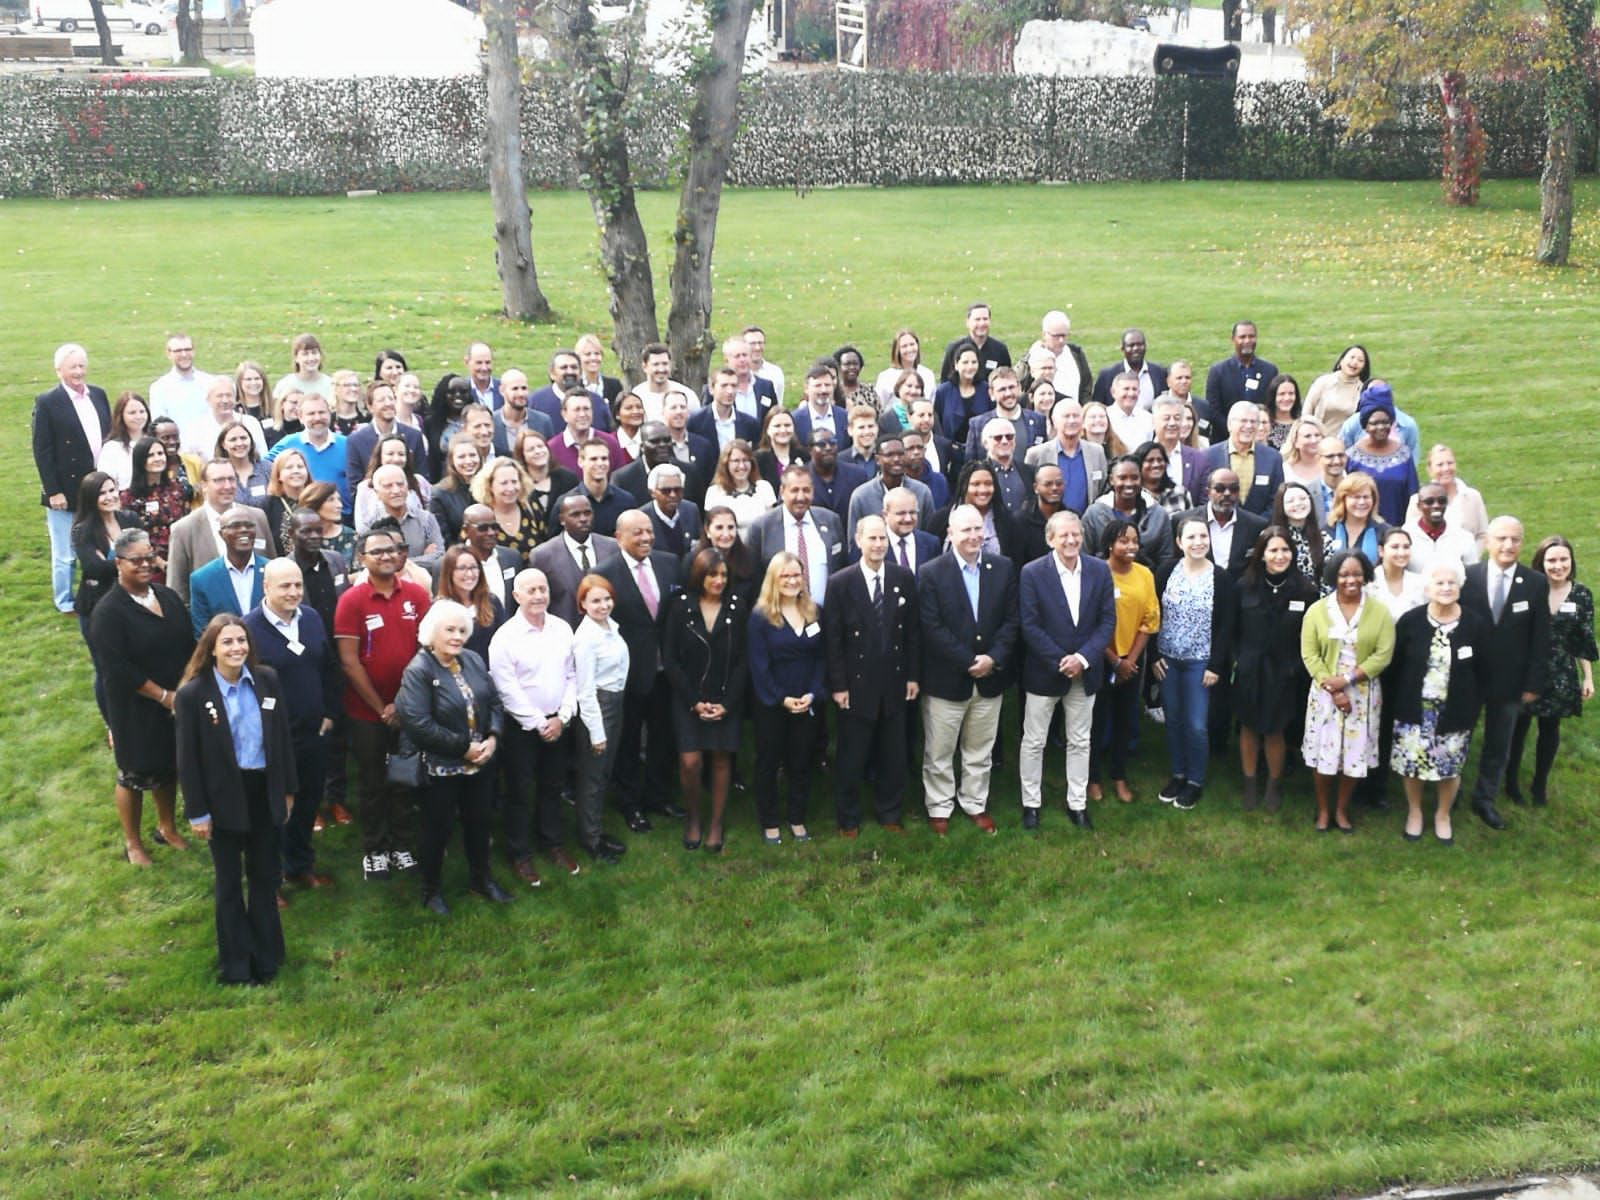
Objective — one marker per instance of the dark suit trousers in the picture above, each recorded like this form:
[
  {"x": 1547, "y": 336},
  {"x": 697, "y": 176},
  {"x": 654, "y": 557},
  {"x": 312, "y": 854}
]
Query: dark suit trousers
[
  {"x": 444, "y": 797},
  {"x": 879, "y": 738},
  {"x": 643, "y": 713},
  {"x": 1499, "y": 723},
  {"x": 788, "y": 740},
  {"x": 249, "y": 933},
  {"x": 310, "y": 761},
  {"x": 388, "y": 811},
  {"x": 537, "y": 766}
]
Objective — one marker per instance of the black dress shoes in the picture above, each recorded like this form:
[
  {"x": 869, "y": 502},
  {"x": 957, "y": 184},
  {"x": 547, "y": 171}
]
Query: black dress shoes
[
  {"x": 1080, "y": 818},
  {"x": 492, "y": 891},
  {"x": 607, "y": 842},
  {"x": 1030, "y": 818},
  {"x": 1488, "y": 814},
  {"x": 600, "y": 852},
  {"x": 435, "y": 904},
  {"x": 637, "y": 821},
  {"x": 669, "y": 810}
]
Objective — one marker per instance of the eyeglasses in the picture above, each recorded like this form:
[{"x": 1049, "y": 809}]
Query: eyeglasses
[
  {"x": 138, "y": 559},
  {"x": 384, "y": 552},
  {"x": 1224, "y": 488}
]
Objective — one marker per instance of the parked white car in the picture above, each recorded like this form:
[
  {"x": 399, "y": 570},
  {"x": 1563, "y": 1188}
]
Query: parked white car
[{"x": 68, "y": 16}]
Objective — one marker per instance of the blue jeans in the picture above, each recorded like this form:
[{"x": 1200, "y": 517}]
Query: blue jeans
[
  {"x": 62, "y": 559},
  {"x": 1184, "y": 699}
]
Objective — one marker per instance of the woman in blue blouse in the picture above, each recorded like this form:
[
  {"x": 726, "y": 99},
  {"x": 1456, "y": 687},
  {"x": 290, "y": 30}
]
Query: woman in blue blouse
[{"x": 786, "y": 662}]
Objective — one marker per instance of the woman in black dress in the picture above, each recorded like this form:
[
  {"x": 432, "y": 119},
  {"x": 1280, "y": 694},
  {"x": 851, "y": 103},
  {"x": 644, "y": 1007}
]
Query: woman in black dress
[
  {"x": 97, "y": 522},
  {"x": 703, "y": 652},
  {"x": 1572, "y": 655},
  {"x": 142, "y": 638},
  {"x": 1269, "y": 680}
]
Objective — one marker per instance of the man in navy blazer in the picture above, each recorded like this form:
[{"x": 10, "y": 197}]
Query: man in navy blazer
[
  {"x": 753, "y": 395},
  {"x": 1258, "y": 465},
  {"x": 566, "y": 377},
  {"x": 969, "y": 639},
  {"x": 1152, "y": 376},
  {"x": 818, "y": 409},
  {"x": 1516, "y": 600},
  {"x": 358, "y": 446},
  {"x": 1167, "y": 414},
  {"x": 222, "y": 585},
  {"x": 871, "y": 625},
  {"x": 479, "y": 362},
  {"x": 909, "y": 547},
  {"x": 1068, "y": 617},
  {"x": 69, "y": 423},
  {"x": 1233, "y": 531},
  {"x": 289, "y": 637},
  {"x": 720, "y": 408}
]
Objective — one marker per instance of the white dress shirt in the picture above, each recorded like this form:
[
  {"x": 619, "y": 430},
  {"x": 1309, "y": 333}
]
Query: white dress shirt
[
  {"x": 534, "y": 671},
  {"x": 1072, "y": 588},
  {"x": 1221, "y": 537},
  {"x": 816, "y": 550},
  {"x": 83, "y": 407},
  {"x": 602, "y": 659}
]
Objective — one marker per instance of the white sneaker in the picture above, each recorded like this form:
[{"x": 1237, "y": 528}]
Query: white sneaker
[
  {"x": 1158, "y": 715},
  {"x": 375, "y": 866},
  {"x": 401, "y": 860}
]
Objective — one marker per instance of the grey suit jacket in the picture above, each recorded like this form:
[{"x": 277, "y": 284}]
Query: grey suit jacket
[
  {"x": 556, "y": 561},
  {"x": 193, "y": 545},
  {"x": 1094, "y": 461},
  {"x": 765, "y": 537}
]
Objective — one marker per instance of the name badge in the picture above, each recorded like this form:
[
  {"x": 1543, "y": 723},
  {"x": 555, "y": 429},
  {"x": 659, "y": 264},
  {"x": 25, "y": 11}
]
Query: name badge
[
  {"x": 989, "y": 364},
  {"x": 813, "y": 629},
  {"x": 1571, "y": 606},
  {"x": 1116, "y": 593},
  {"x": 297, "y": 648},
  {"x": 1262, "y": 481},
  {"x": 270, "y": 703},
  {"x": 338, "y": 581},
  {"x": 261, "y": 543},
  {"x": 1464, "y": 653},
  {"x": 260, "y": 489},
  {"x": 1097, "y": 475},
  {"x": 509, "y": 573},
  {"x": 1519, "y": 606},
  {"x": 1297, "y": 606},
  {"x": 374, "y": 621},
  {"x": 837, "y": 547},
  {"x": 1251, "y": 385},
  {"x": 152, "y": 506}
]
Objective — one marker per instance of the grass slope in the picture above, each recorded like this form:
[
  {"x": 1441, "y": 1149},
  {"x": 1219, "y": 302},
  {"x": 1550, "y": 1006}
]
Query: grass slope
[{"x": 1215, "y": 1005}]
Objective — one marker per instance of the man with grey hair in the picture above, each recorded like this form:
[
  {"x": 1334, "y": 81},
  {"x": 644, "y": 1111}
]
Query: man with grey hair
[
  {"x": 1072, "y": 378},
  {"x": 677, "y": 520},
  {"x": 479, "y": 364},
  {"x": 424, "y": 542},
  {"x": 1012, "y": 480},
  {"x": 70, "y": 421},
  {"x": 969, "y": 640},
  {"x": 1083, "y": 464},
  {"x": 1258, "y": 466},
  {"x": 752, "y": 395},
  {"x": 1132, "y": 425}
]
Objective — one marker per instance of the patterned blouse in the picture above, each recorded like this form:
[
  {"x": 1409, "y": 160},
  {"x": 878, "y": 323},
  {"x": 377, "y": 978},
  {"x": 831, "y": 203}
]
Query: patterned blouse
[
  {"x": 530, "y": 532},
  {"x": 156, "y": 513},
  {"x": 439, "y": 770},
  {"x": 1186, "y": 604}
]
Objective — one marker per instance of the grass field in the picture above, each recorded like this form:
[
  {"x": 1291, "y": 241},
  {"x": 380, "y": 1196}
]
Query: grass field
[{"x": 1211, "y": 1005}]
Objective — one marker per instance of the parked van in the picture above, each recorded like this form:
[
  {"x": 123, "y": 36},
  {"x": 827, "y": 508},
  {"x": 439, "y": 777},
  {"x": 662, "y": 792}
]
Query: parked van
[{"x": 69, "y": 16}]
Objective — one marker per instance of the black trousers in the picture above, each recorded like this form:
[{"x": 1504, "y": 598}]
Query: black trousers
[
  {"x": 878, "y": 738},
  {"x": 249, "y": 933},
  {"x": 1499, "y": 723},
  {"x": 1116, "y": 724},
  {"x": 388, "y": 811},
  {"x": 1544, "y": 751},
  {"x": 788, "y": 740},
  {"x": 538, "y": 767},
  {"x": 445, "y": 798},
  {"x": 645, "y": 712},
  {"x": 311, "y": 763}
]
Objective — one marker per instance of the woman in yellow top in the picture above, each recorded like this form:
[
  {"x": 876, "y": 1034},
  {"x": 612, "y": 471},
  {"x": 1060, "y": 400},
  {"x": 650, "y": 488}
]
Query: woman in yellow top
[
  {"x": 1346, "y": 641},
  {"x": 1116, "y": 705}
]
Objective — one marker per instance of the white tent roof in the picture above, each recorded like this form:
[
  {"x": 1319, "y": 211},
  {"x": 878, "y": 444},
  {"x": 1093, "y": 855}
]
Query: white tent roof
[{"x": 344, "y": 38}]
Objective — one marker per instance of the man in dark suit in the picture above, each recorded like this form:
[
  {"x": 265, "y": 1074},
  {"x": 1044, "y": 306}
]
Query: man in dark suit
[
  {"x": 655, "y": 448},
  {"x": 290, "y": 637},
  {"x": 810, "y": 533},
  {"x": 720, "y": 421},
  {"x": 833, "y": 481},
  {"x": 1068, "y": 617},
  {"x": 363, "y": 439},
  {"x": 689, "y": 450},
  {"x": 992, "y": 352},
  {"x": 565, "y": 560},
  {"x": 909, "y": 547},
  {"x": 1258, "y": 467},
  {"x": 500, "y": 564},
  {"x": 1152, "y": 376},
  {"x": 566, "y": 377},
  {"x": 969, "y": 637},
  {"x": 1233, "y": 531},
  {"x": 871, "y": 625},
  {"x": 232, "y": 582},
  {"x": 676, "y": 520},
  {"x": 479, "y": 362},
  {"x": 1241, "y": 377},
  {"x": 1516, "y": 600},
  {"x": 752, "y": 395},
  {"x": 69, "y": 423},
  {"x": 644, "y": 579},
  {"x": 818, "y": 411}
]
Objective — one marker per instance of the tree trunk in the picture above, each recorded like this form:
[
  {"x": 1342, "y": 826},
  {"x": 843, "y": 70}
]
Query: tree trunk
[
  {"x": 599, "y": 96},
  {"x": 508, "y": 191},
  {"x": 1463, "y": 141},
  {"x": 713, "y": 121},
  {"x": 1232, "y": 20},
  {"x": 103, "y": 32},
  {"x": 1566, "y": 108},
  {"x": 188, "y": 35}
]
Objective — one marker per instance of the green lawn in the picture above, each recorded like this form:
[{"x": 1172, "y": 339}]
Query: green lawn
[{"x": 1207, "y": 1005}]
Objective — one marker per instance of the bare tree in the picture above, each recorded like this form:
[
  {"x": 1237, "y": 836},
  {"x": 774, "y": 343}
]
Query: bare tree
[
  {"x": 508, "y": 190},
  {"x": 188, "y": 22},
  {"x": 102, "y": 31}
]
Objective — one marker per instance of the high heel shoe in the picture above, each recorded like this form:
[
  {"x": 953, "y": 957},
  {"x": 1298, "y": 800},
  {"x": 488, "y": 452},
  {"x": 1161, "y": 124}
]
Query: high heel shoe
[{"x": 690, "y": 843}]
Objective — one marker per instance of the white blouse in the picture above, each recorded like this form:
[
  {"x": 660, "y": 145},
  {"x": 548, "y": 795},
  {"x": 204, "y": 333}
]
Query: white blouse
[{"x": 602, "y": 661}]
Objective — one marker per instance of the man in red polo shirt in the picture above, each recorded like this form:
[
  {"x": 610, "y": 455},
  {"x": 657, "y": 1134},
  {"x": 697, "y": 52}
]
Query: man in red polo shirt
[{"x": 375, "y": 627}]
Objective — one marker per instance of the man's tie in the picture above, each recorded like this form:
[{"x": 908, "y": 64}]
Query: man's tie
[
  {"x": 647, "y": 589},
  {"x": 800, "y": 550},
  {"x": 877, "y": 591},
  {"x": 583, "y": 556},
  {"x": 1502, "y": 586},
  {"x": 904, "y": 561}
]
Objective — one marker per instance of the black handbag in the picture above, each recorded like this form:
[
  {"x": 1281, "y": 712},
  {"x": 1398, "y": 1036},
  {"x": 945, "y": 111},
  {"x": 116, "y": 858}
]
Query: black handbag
[{"x": 404, "y": 767}]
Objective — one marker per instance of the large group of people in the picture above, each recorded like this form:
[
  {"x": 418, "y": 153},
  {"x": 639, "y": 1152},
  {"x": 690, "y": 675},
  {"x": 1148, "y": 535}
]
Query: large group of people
[{"x": 499, "y": 601}]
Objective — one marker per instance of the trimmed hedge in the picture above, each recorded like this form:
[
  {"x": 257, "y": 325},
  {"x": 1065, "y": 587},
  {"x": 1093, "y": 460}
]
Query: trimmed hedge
[{"x": 140, "y": 136}]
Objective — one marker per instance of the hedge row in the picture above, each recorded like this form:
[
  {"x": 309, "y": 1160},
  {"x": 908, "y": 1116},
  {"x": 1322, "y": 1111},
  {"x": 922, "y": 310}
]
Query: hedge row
[{"x": 132, "y": 136}]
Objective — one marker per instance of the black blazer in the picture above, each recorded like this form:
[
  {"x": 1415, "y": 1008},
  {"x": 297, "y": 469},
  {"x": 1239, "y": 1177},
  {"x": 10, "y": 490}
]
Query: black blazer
[
  {"x": 638, "y": 628},
  {"x": 704, "y": 423},
  {"x": 207, "y": 768},
  {"x": 60, "y": 451},
  {"x": 1102, "y": 381},
  {"x": 433, "y": 712},
  {"x": 1267, "y": 631},
  {"x": 871, "y": 658},
  {"x": 952, "y": 638},
  {"x": 447, "y": 504},
  {"x": 1470, "y": 676},
  {"x": 97, "y": 573},
  {"x": 701, "y": 668},
  {"x": 1224, "y": 610},
  {"x": 1244, "y": 537},
  {"x": 1519, "y": 650}
]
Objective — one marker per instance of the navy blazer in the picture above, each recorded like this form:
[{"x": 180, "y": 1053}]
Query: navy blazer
[
  {"x": 639, "y": 629},
  {"x": 1244, "y": 537},
  {"x": 804, "y": 431},
  {"x": 60, "y": 451},
  {"x": 1049, "y": 633},
  {"x": 1255, "y": 495},
  {"x": 211, "y": 592},
  {"x": 785, "y": 663},
  {"x": 704, "y": 424},
  {"x": 765, "y": 393},
  {"x": 952, "y": 637},
  {"x": 1102, "y": 381},
  {"x": 548, "y": 402},
  {"x": 312, "y": 680},
  {"x": 674, "y": 541},
  {"x": 1519, "y": 645},
  {"x": 1229, "y": 381},
  {"x": 208, "y": 769},
  {"x": 835, "y": 496},
  {"x": 872, "y": 657},
  {"x": 1032, "y": 420}
]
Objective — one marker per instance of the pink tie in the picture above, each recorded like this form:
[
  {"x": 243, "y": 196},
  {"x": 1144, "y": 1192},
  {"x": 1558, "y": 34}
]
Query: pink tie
[
  {"x": 647, "y": 589},
  {"x": 800, "y": 550}
]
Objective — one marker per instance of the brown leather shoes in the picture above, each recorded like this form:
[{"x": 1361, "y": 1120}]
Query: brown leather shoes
[
  {"x": 525, "y": 872},
  {"x": 341, "y": 814},
  {"x": 563, "y": 860},
  {"x": 940, "y": 825},
  {"x": 893, "y": 827},
  {"x": 984, "y": 822},
  {"x": 283, "y": 901},
  {"x": 850, "y": 834},
  {"x": 309, "y": 879}
]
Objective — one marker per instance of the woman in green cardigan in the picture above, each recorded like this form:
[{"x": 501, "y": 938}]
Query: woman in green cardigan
[{"x": 1346, "y": 642}]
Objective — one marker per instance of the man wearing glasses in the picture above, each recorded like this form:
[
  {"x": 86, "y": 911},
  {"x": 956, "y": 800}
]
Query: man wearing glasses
[
  {"x": 867, "y": 501},
  {"x": 1331, "y": 455},
  {"x": 1233, "y": 530},
  {"x": 375, "y": 629},
  {"x": 181, "y": 392}
]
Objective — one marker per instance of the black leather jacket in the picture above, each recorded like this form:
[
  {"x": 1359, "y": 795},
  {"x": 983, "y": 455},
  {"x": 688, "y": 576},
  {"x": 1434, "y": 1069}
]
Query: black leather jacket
[{"x": 433, "y": 712}]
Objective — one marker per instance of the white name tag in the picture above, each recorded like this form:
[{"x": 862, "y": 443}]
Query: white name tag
[
  {"x": 989, "y": 364},
  {"x": 509, "y": 573},
  {"x": 296, "y": 648},
  {"x": 152, "y": 506},
  {"x": 1519, "y": 606},
  {"x": 260, "y": 489},
  {"x": 1116, "y": 593},
  {"x": 1297, "y": 606},
  {"x": 1262, "y": 481},
  {"x": 338, "y": 581},
  {"x": 813, "y": 629},
  {"x": 270, "y": 703},
  {"x": 1464, "y": 652},
  {"x": 374, "y": 621},
  {"x": 261, "y": 543},
  {"x": 1571, "y": 606},
  {"x": 836, "y": 548},
  {"x": 1251, "y": 385},
  {"x": 1097, "y": 475}
]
